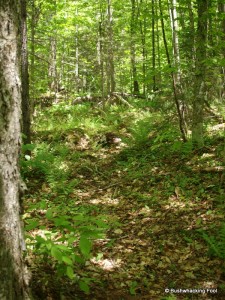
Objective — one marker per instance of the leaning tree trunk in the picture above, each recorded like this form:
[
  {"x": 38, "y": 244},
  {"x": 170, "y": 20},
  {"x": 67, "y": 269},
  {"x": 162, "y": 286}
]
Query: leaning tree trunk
[{"x": 12, "y": 271}]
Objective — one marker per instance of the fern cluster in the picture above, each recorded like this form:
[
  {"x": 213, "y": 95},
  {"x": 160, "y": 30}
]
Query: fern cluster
[{"x": 216, "y": 243}]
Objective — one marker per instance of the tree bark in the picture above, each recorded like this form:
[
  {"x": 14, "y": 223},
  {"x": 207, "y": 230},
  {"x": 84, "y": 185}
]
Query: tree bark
[
  {"x": 221, "y": 9},
  {"x": 176, "y": 51},
  {"x": 182, "y": 123},
  {"x": 12, "y": 270},
  {"x": 200, "y": 74},
  {"x": 110, "y": 63},
  {"x": 135, "y": 84},
  {"x": 153, "y": 47},
  {"x": 25, "y": 76},
  {"x": 143, "y": 31}
]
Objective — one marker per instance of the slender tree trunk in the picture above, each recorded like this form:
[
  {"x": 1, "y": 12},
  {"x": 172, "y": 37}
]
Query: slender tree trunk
[
  {"x": 25, "y": 76},
  {"x": 176, "y": 51},
  {"x": 200, "y": 75},
  {"x": 135, "y": 89},
  {"x": 100, "y": 56},
  {"x": 153, "y": 46},
  {"x": 221, "y": 9},
  {"x": 182, "y": 123},
  {"x": 32, "y": 54},
  {"x": 52, "y": 71},
  {"x": 111, "y": 68},
  {"x": 159, "y": 77},
  {"x": 12, "y": 271},
  {"x": 77, "y": 56},
  {"x": 143, "y": 30}
]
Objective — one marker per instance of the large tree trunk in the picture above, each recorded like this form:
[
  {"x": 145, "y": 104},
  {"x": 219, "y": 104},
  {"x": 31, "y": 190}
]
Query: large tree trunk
[{"x": 12, "y": 271}]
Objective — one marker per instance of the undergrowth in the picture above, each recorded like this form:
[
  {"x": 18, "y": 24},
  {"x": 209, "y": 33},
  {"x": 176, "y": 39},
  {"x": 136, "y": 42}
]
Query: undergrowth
[{"x": 151, "y": 164}]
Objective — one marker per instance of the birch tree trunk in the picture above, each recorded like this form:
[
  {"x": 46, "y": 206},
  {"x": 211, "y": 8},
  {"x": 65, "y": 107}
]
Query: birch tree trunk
[
  {"x": 12, "y": 271},
  {"x": 176, "y": 52}
]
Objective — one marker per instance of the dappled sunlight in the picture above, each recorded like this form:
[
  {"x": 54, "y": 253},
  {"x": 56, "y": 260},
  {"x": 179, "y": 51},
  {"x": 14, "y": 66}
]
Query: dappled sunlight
[
  {"x": 105, "y": 200},
  {"x": 143, "y": 201},
  {"x": 107, "y": 264}
]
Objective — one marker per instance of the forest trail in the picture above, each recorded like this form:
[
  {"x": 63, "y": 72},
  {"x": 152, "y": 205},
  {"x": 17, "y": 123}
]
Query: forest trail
[{"x": 156, "y": 204}]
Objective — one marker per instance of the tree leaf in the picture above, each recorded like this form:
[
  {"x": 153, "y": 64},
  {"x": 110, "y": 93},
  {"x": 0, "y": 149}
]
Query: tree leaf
[
  {"x": 69, "y": 272},
  {"x": 33, "y": 224},
  {"x": 56, "y": 253},
  {"x": 49, "y": 214},
  {"x": 85, "y": 246},
  {"x": 84, "y": 286},
  {"x": 67, "y": 260}
]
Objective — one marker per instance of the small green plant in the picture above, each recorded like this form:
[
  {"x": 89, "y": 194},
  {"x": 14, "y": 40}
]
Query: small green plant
[
  {"x": 216, "y": 244},
  {"x": 133, "y": 286},
  {"x": 66, "y": 243}
]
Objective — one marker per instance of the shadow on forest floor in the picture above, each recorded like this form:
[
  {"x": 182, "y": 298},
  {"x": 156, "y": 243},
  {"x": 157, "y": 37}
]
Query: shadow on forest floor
[{"x": 159, "y": 201}]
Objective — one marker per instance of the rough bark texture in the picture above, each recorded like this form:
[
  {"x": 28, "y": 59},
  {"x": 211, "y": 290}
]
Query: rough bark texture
[{"x": 12, "y": 272}]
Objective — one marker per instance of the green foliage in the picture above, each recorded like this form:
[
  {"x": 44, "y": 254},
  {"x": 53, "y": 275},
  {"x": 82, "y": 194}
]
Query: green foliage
[
  {"x": 133, "y": 287},
  {"x": 216, "y": 243},
  {"x": 151, "y": 165},
  {"x": 68, "y": 243}
]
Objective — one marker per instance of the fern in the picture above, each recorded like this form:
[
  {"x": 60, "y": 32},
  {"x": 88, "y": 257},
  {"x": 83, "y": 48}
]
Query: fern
[{"x": 216, "y": 244}]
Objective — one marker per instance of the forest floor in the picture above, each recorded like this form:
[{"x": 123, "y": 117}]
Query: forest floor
[{"x": 162, "y": 202}]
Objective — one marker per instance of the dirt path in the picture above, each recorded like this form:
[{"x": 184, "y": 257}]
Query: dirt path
[{"x": 153, "y": 249}]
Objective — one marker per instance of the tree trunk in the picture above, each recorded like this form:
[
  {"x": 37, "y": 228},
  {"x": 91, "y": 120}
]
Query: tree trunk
[
  {"x": 12, "y": 271},
  {"x": 176, "y": 52},
  {"x": 25, "y": 76},
  {"x": 153, "y": 47},
  {"x": 110, "y": 63},
  {"x": 135, "y": 84},
  {"x": 182, "y": 123},
  {"x": 143, "y": 31},
  {"x": 52, "y": 71},
  {"x": 76, "y": 71},
  {"x": 200, "y": 73},
  {"x": 159, "y": 76},
  {"x": 221, "y": 8},
  {"x": 100, "y": 56}
]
